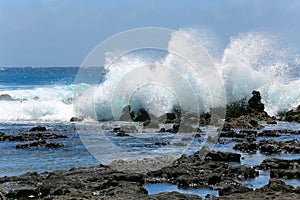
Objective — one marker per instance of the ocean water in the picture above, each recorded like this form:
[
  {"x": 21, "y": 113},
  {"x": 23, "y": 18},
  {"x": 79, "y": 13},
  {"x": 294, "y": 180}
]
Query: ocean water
[{"x": 50, "y": 96}]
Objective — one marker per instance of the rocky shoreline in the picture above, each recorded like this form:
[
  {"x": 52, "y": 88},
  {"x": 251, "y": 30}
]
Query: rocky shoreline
[
  {"x": 206, "y": 168},
  {"x": 103, "y": 182}
]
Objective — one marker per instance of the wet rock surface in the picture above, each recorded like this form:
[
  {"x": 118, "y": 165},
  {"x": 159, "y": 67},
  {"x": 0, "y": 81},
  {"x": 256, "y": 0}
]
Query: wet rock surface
[
  {"x": 137, "y": 116},
  {"x": 99, "y": 182},
  {"x": 276, "y": 189},
  {"x": 279, "y": 147},
  {"x": 203, "y": 169},
  {"x": 37, "y": 128},
  {"x": 7, "y": 97},
  {"x": 76, "y": 119},
  {"x": 270, "y": 147},
  {"x": 125, "y": 129},
  {"x": 40, "y": 144},
  {"x": 210, "y": 169},
  {"x": 281, "y": 168},
  {"x": 247, "y": 115},
  {"x": 31, "y": 136},
  {"x": 293, "y": 115}
]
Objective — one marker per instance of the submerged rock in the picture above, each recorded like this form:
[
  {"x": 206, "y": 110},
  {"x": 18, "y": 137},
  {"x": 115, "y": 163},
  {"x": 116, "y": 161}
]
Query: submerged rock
[{"x": 40, "y": 144}]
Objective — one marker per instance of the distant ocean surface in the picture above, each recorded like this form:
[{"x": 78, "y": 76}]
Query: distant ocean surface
[
  {"x": 40, "y": 96},
  {"x": 37, "y": 93}
]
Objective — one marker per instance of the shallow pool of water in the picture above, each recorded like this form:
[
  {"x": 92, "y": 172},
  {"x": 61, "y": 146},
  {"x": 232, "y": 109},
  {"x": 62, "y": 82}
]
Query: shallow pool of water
[
  {"x": 167, "y": 187},
  {"x": 257, "y": 182}
]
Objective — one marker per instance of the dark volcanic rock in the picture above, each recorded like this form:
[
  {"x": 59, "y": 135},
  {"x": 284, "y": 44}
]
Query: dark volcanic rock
[
  {"x": 129, "y": 115},
  {"x": 33, "y": 136},
  {"x": 280, "y": 168},
  {"x": 293, "y": 115},
  {"x": 245, "y": 122},
  {"x": 255, "y": 102},
  {"x": 241, "y": 115},
  {"x": 142, "y": 116},
  {"x": 126, "y": 129},
  {"x": 40, "y": 144},
  {"x": 202, "y": 170},
  {"x": 152, "y": 125},
  {"x": 76, "y": 119},
  {"x": 2, "y": 136},
  {"x": 289, "y": 132},
  {"x": 161, "y": 143},
  {"x": 101, "y": 182},
  {"x": 122, "y": 134},
  {"x": 167, "y": 118},
  {"x": 232, "y": 189},
  {"x": 270, "y": 147},
  {"x": 54, "y": 145},
  {"x": 6, "y": 97},
  {"x": 22, "y": 146},
  {"x": 38, "y": 128},
  {"x": 232, "y": 134},
  {"x": 223, "y": 156},
  {"x": 204, "y": 119},
  {"x": 18, "y": 190},
  {"x": 236, "y": 109},
  {"x": 246, "y": 147},
  {"x": 276, "y": 189},
  {"x": 269, "y": 133},
  {"x": 93, "y": 183},
  {"x": 174, "y": 129},
  {"x": 82, "y": 183},
  {"x": 279, "y": 147}
]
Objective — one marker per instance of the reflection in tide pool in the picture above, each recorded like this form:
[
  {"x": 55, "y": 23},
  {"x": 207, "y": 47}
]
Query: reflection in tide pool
[
  {"x": 293, "y": 182},
  {"x": 258, "y": 182},
  {"x": 167, "y": 187}
]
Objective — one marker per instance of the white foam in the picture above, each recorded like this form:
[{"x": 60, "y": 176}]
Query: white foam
[{"x": 251, "y": 61}]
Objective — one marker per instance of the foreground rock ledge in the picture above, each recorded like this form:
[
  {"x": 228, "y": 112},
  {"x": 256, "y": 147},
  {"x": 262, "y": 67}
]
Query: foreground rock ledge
[
  {"x": 103, "y": 182},
  {"x": 99, "y": 182}
]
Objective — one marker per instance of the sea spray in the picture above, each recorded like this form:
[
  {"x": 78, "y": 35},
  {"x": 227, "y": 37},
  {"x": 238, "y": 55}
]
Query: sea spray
[
  {"x": 251, "y": 61},
  {"x": 255, "y": 61}
]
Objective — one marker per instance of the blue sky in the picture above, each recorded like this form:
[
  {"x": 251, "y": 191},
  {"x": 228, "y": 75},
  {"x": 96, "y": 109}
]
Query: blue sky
[{"x": 62, "y": 33}]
